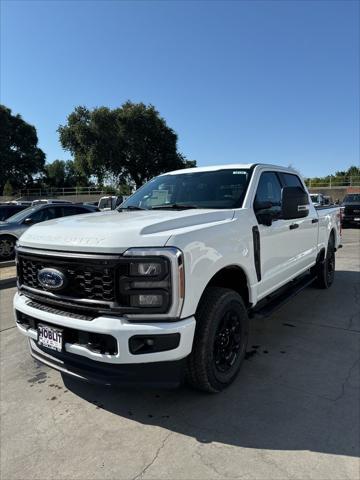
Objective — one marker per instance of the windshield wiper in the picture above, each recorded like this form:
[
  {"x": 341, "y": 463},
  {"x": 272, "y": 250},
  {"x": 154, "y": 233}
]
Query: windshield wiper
[
  {"x": 175, "y": 206},
  {"x": 131, "y": 207}
]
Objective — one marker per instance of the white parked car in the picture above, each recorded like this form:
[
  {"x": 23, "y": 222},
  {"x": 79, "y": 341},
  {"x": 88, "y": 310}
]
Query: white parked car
[{"x": 165, "y": 286}]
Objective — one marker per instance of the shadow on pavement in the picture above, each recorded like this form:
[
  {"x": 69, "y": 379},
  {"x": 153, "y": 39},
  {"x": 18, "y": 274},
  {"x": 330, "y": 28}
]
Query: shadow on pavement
[{"x": 297, "y": 390}]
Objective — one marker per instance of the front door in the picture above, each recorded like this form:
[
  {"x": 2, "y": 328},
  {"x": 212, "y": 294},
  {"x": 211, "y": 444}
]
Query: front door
[{"x": 280, "y": 250}]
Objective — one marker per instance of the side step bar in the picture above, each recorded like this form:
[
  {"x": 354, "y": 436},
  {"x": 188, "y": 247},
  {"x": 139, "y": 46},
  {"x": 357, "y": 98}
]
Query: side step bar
[{"x": 273, "y": 302}]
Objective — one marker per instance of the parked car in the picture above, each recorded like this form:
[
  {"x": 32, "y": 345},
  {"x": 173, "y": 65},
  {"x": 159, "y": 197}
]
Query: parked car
[
  {"x": 25, "y": 203},
  {"x": 48, "y": 200},
  {"x": 166, "y": 285},
  {"x": 15, "y": 226},
  {"x": 8, "y": 210},
  {"x": 109, "y": 202},
  {"x": 318, "y": 199},
  {"x": 351, "y": 209}
]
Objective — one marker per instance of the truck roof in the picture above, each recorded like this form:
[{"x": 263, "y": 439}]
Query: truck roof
[{"x": 228, "y": 166}]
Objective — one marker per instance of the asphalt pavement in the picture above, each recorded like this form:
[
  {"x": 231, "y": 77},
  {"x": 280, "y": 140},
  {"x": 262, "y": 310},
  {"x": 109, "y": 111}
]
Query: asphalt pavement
[{"x": 292, "y": 413}]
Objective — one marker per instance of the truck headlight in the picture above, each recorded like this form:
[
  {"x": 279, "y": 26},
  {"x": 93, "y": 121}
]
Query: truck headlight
[
  {"x": 146, "y": 269},
  {"x": 154, "y": 283},
  {"x": 147, "y": 300}
]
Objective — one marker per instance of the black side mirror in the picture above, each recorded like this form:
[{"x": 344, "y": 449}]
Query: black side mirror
[
  {"x": 295, "y": 203},
  {"x": 263, "y": 212},
  {"x": 28, "y": 221}
]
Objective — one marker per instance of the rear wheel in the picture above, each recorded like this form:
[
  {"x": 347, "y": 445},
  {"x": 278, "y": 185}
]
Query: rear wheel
[
  {"x": 221, "y": 335},
  {"x": 326, "y": 269},
  {"x": 7, "y": 247}
]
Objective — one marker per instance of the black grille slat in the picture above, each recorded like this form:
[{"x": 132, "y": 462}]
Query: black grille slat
[
  {"x": 57, "y": 311},
  {"x": 95, "y": 280}
]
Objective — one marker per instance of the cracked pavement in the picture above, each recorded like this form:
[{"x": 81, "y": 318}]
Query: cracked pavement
[{"x": 292, "y": 413}]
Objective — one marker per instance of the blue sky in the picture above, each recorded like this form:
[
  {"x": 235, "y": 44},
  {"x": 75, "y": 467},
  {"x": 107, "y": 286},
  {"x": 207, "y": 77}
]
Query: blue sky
[{"x": 239, "y": 81}]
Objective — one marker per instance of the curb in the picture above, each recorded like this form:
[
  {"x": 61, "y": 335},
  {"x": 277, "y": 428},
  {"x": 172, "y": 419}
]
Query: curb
[
  {"x": 9, "y": 263},
  {"x": 7, "y": 283}
]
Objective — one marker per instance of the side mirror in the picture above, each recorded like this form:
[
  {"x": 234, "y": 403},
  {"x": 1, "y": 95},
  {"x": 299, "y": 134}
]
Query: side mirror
[
  {"x": 295, "y": 203},
  {"x": 28, "y": 221},
  {"x": 263, "y": 213}
]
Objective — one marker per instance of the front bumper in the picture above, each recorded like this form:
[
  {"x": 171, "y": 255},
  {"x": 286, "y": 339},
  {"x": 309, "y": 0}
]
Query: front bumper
[{"x": 85, "y": 363}]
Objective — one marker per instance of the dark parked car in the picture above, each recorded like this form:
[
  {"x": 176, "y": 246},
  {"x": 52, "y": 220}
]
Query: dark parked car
[
  {"x": 14, "y": 226},
  {"x": 7, "y": 211},
  {"x": 351, "y": 209}
]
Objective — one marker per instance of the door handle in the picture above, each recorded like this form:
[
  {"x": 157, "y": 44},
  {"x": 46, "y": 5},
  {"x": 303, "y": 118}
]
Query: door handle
[
  {"x": 315, "y": 220},
  {"x": 293, "y": 226}
]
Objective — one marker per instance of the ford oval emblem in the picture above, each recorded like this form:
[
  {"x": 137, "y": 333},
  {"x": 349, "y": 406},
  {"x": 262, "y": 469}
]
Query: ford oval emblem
[{"x": 51, "y": 279}]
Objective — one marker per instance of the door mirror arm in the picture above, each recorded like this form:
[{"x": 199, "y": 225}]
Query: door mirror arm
[{"x": 265, "y": 217}]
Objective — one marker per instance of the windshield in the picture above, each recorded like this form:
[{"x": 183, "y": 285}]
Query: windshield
[
  {"x": 216, "y": 189},
  {"x": 18, "y": 217},
  {"x": 352, "y": 198}
]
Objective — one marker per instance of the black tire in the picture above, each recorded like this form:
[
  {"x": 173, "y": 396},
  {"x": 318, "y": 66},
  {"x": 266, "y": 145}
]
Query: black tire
[
  {"x": 7, "y": 247},
  {"x": 221, "y": 335},
  {"x": 326, "y": 269}
]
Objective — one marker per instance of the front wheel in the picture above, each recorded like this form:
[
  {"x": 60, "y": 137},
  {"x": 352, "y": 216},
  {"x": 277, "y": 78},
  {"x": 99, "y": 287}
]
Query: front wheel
[
  {"x": 7, "y": 247},
  {"x": 326, "y": 269},
  {"x": 221, "y": 335}
]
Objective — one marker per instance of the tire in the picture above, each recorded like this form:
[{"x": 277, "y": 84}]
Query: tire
[
  {"x": 7, "y": 247},
  {"x": 326, "y": 269},
  {"x": 221, "y": 335}
]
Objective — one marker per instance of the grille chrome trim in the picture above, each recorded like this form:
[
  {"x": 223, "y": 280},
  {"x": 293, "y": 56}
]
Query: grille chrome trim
[{"x": 55, "y": 253}]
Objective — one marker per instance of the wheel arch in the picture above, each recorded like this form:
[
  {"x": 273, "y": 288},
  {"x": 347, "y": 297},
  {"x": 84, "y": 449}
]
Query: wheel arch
[
  {"x": 233, "y": 277},
  {"x": 7, "y": 234}
]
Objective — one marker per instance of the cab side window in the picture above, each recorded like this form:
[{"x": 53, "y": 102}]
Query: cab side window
[
  {"x": 268, "y": 195},
  {"x": 47, "y": 213},
  {"x": 292, "y": 180},
  {"x": 72, "y": 210}
]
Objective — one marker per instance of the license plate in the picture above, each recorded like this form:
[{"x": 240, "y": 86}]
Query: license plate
[
  {"x": 357, "y": 219},
  {"x": 50, "y": 337}
]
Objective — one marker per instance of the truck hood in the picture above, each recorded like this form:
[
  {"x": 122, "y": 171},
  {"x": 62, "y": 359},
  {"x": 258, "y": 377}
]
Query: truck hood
[{"x": 115, "y": 232}]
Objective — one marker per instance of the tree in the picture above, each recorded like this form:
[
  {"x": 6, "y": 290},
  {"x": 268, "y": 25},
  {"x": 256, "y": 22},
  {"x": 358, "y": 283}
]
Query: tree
[
  {"x": 131, "y": 143},
  {"x": 62, "y": 173},
  {"x": 8, "y": 189},
  {"x": 20, "y": 156},
  {"x": 346, "y": 177}
]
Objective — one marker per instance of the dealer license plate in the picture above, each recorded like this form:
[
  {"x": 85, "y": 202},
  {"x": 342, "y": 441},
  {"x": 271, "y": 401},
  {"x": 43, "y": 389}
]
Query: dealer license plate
[{"x": 50, "y": 337}]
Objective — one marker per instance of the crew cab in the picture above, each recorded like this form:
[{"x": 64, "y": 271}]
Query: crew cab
[{"x": 164, "y": 288}]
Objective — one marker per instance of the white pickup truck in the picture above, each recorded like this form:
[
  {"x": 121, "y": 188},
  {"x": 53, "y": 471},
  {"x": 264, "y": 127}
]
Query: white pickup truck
[{"x": 162, "y": 289}]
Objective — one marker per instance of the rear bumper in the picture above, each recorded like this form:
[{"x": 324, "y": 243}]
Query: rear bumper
[{"x": 121, "y": 367}]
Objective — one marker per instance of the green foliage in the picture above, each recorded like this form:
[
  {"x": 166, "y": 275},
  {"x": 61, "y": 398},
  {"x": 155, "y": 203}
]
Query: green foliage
[
  {"x": 21, "y": 158},
  {"x": 131, "y": 143},
  {"x": 62, "y": 173},
  {"x": 8, "y": 189},
  {"x": 339, "y": 178}
]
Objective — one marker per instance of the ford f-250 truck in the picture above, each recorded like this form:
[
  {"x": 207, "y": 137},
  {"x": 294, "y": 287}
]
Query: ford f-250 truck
[{"x": 163, "y": 287}]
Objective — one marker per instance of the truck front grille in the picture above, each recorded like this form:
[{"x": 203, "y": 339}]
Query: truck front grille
[
  {"x": 95, "y": 282},
  {"x": 91, "y": 279}
]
